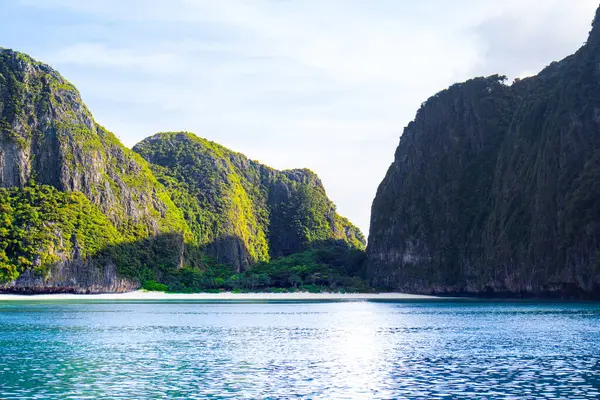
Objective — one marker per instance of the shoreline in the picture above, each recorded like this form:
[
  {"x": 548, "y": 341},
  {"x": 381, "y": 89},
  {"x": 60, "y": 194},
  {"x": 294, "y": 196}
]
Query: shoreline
[{"x": 225, "y": 296}]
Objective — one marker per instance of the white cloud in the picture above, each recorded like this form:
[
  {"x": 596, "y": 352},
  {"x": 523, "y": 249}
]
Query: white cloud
[
  {"x": 526, "y": 35},
  {"x": 324, "y": 84}
]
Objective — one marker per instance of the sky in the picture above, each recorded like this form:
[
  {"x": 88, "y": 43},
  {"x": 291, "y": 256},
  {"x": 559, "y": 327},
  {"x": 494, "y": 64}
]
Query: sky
[{"x": 322, "y": 84}]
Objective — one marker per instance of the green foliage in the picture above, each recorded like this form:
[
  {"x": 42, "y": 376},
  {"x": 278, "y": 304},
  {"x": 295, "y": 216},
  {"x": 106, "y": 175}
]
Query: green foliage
[
  {"x": 112, "y": 209},
  {"x": 23, "y": 94},
  {"x": 229, "y": 200},
  {"x": 154, "y": 286},
  {"x": 211, "y": 194},
  {"x": 332, "y": 267},
  {"x": 150, "y": 258},
  {"x": 130, "y": 178},
  {"x": 63, "y": 147},
  {"x": 40, "y": 225}
]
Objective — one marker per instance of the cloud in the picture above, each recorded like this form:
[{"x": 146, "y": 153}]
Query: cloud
[
  {"x": 526, "y": 35},
  {"x": 327, "y": 85}
]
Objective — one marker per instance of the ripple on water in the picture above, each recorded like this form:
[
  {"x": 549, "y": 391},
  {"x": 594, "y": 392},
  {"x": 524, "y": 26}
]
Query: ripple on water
[{"x": 316, "y": 350}]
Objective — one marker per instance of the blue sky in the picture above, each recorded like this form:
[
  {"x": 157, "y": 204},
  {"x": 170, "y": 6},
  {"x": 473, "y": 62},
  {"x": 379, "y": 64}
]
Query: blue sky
[{"x": 323, "y": 84}]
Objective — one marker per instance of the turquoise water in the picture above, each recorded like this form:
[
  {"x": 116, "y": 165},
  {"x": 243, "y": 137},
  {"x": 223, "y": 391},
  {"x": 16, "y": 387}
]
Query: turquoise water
[{"x": 299, "y": 350}]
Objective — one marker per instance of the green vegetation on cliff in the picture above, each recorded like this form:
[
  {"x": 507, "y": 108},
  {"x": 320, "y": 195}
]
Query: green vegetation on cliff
[
  {"x": 240, "y": 211},
  {"x": 39, "y": 226},
  {"x": 332, "y": 266},
  {"x": 48, "y": 136},
  {"x": 80, "y": 212}
]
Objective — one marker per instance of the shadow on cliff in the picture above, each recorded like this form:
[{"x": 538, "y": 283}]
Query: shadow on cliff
[
  {"x": 158, "y": 257},
  {"x": 116, "y": 268},
  {"x": 125, "y": 266}
]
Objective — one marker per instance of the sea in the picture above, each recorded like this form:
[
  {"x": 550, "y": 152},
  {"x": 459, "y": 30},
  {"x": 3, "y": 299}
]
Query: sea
[{"x": 425, "y": 349}]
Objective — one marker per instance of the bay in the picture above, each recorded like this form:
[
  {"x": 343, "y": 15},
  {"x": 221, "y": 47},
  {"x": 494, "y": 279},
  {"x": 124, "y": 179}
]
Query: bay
[{"x": 328, "y": 350}]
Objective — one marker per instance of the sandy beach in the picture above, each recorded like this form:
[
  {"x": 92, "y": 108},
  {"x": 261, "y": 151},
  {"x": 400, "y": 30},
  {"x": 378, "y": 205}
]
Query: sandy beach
[{"x": 144, "y": 295}]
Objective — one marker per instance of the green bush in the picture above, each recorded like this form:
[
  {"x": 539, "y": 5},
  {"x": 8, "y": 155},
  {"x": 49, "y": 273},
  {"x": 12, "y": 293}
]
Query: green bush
[
  {"x": 336, "y": 267},
  {"x": 154, "y": 286},
  {"x": 39, "y": 225}
]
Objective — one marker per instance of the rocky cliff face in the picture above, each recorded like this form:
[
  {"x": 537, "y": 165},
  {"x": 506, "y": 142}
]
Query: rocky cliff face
[
  {"x": 48, "y": 137},
  {"x": 494, "y": 188},
  {"x": 240, "y": 211},
  {"x": 81, "y": 213}
]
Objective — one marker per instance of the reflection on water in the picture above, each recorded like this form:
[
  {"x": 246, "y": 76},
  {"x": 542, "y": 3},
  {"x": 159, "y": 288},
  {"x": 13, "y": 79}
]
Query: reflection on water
[{"x": 312, "y": 350}]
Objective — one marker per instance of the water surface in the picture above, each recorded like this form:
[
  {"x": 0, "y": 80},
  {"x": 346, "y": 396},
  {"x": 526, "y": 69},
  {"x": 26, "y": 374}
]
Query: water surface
[{"x": 410, "y": 349}]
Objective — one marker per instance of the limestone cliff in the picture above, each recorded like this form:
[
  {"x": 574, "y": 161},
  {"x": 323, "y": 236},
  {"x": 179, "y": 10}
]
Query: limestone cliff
[
  {"x": 79, "y": 212},
  {"x": 49, "y": 138},
  {"x": 241, "y": 211},
  {"x": 494, "y": 188}
]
